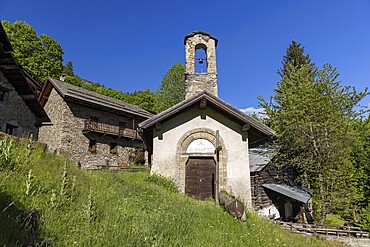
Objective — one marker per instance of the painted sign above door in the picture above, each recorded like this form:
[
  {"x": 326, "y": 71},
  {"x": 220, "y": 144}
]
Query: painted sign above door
[{"x": 200, "y": 146}]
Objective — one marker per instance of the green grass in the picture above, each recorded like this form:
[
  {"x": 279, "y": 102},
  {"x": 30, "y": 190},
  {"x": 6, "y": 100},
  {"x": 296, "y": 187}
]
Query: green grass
[{"x": 45, "y": 200}]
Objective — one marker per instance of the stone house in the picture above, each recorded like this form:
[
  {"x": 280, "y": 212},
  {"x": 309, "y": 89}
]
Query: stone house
[
  {"x": 21, "y": 113},
  {"x": 274, "y": 193},
  {"x": 191, "y": 139},
  {"x": 92, "y": 129}
]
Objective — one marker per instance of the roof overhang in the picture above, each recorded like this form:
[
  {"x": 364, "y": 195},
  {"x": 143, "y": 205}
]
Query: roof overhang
[
  {"x": 289, "y": 191},
  {"x": 261, "y": 131},
  {"x": 19, "y": 79},
  {"x": 74, "y": 94}
]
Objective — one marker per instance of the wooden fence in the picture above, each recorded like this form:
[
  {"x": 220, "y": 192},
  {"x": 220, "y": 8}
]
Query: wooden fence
[{"x": 340, "y": 231}]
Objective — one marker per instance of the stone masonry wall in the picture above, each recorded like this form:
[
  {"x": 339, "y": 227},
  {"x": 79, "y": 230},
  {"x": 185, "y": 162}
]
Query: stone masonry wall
[
  {"x": 66, "y": 134},
  {"x": 197, "y": 82},
  {"x": 15, "y": 112}
]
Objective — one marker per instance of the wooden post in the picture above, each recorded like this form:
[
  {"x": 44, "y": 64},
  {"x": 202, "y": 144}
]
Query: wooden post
[{"x": 217, "y": 167}]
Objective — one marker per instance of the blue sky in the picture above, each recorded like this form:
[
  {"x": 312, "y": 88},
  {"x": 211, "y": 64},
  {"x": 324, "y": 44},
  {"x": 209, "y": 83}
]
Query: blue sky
[{"x": 129, "y": 45}]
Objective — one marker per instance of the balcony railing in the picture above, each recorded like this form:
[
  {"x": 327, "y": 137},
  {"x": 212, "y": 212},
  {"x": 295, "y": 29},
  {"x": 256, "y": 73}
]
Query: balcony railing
[{"x": 94, "y": 126}]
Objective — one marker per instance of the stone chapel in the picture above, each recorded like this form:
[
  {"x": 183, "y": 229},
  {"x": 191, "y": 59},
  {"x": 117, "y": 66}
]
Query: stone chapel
[{"x": 187, "y": 140}]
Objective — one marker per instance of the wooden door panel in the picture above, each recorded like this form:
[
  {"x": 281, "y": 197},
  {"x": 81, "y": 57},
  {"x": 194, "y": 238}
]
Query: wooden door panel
[{"x": 199, "y": 177}]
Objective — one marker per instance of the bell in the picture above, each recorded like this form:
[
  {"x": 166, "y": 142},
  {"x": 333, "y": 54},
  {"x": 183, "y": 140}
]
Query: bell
[{"x": 200, "y": 60}]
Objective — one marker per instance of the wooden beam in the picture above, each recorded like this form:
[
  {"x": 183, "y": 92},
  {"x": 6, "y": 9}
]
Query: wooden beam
[
  {"x": 245, "y": 127},
  {"x": 158, "y": 125},
  {"x": 203, "y": 103}
]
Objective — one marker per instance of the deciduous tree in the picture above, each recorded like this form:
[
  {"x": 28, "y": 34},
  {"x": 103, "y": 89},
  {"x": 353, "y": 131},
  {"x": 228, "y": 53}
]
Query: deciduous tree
[
  {"x": 172, "y": 89},
  {"x": 41, "y": 56}
]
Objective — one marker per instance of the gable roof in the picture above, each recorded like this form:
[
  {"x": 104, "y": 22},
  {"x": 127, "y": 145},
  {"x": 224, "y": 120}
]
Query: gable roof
[
  {"x": 86, "y": 97},
  {"x": 259, "y": 130},
  {"x": 260, "y": 157},
  {"x": 19, "y": 79}
]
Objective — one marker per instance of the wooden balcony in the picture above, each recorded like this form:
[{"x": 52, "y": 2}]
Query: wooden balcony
[{"x": 107, "y": 129}]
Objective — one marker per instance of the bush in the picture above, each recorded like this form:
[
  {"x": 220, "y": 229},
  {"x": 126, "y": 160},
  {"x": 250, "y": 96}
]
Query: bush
[{"x": 365, "y": 218}]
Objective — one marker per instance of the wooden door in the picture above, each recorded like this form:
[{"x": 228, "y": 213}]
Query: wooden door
[{"x": 199, "y": 177}]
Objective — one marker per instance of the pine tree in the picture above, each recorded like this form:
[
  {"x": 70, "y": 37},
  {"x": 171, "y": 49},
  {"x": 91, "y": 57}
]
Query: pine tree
[
  {"x": 294, "y": 56},
  {"x": 313, "y": 114}
]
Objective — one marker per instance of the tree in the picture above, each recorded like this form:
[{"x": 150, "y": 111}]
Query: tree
[
  {"x": 145, "y": 99},
  {"x": 172, "y": 89},
  {"x": 68, "y": 69},
  {"x": 41, "y": 56},
  {"x": 313, "y": 114},
  {"x": 294, "y": 56}
]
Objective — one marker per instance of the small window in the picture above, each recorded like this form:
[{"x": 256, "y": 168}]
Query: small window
[
  {"x": 10, "y": 129},
  {"x": 92, "y": 146},
  {"x": 113, "y": 148},
  {"x": 2, "y": 95}
]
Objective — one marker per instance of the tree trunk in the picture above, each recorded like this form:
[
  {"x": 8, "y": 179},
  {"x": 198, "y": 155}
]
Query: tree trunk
[{"x": 232, "y": 205}]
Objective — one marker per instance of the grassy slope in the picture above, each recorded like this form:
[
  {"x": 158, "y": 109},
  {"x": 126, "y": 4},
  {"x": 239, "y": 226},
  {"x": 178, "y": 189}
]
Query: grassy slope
[{"x": 58, "y": 205}]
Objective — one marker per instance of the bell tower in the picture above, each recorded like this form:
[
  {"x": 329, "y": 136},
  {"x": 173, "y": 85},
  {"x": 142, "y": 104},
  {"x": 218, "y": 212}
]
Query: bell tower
[{"x": 201, "y": 71}]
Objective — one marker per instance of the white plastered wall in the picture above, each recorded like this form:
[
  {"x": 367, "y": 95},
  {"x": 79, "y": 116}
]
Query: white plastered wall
[{"x": 166, "y": 141}]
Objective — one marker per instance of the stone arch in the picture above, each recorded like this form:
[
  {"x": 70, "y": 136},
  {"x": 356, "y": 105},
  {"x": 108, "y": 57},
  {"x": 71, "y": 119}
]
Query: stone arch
[{"x": 182, "y": 156}]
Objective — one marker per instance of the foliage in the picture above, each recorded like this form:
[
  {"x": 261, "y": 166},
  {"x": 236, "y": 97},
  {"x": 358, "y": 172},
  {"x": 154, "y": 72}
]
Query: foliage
[
  {"x": 68, "y": 69},
  {"x": 313, "y": 115},
  {"x": 41, "y": 55},
  {"x": 116, "y": 209},
  {"x": 365, "y": 218},
  {"x": 361, "y": 156},
  {"x": 172, "y": 89},
  {"x": 6, "y": 152},
  {"x": 294, "y": 56},
  {"x": 334, "y": 220},
  {"x": 144, "y": 99}
]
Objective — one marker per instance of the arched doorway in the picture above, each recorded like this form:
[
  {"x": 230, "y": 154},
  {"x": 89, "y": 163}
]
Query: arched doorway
[{"x": 200, "y": 177}]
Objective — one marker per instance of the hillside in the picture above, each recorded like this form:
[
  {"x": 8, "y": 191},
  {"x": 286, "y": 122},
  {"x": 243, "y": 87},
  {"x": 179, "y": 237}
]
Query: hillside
[{"x": 46, "y": 200}]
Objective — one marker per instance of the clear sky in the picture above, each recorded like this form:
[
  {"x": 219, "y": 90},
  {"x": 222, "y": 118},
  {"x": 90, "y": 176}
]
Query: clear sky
[{"x": 129, "y": 45}]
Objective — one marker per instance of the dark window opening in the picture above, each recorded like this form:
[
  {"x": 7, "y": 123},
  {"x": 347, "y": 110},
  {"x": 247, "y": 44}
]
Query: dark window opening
[
  {"x": 113, "y": 148},
  {"x": 201, "y": 64},
  {"x": 92, "y": 146},
  {"x": 10, "y": 129},
  {"x": 2, "y": 95},
  {"x": 94, "y": 121}
]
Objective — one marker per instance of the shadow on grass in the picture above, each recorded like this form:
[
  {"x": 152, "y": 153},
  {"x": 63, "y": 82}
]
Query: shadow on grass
[{"x": 18, "y": 226}]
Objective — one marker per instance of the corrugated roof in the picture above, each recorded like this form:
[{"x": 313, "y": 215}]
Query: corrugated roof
[
  {"x": 289, "y": 191},
  {"x": 75, "y": 93},
  {"x": 260, "y": 157}
]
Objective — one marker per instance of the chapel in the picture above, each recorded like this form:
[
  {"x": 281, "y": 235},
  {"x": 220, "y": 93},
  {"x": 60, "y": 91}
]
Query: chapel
[{"x": 189, "y": 141}]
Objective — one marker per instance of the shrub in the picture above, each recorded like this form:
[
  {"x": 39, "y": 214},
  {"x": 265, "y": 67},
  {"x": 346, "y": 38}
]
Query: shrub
[{"x": 365, "y": 218}]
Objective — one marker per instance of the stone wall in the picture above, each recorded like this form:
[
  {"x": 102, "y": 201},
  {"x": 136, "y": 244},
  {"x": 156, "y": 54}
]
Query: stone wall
[
  {"x": 197, "y": 82},
  {"x": 15, "y": 112},
  {"x": 66, "y": 135}
]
